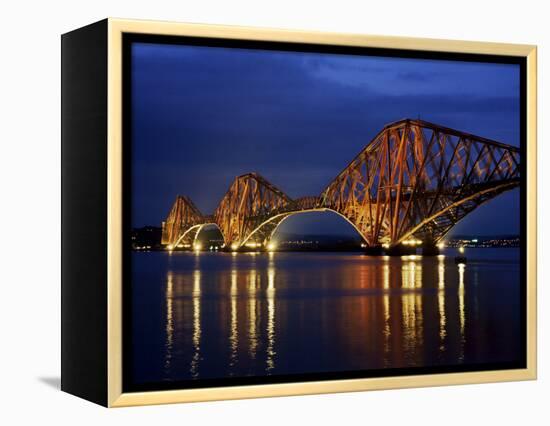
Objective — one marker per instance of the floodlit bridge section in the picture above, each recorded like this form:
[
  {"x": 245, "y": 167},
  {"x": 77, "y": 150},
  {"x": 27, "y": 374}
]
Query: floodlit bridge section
[
  {"x": 182, "y": 224},
  {"x": 414, "y": 181}
]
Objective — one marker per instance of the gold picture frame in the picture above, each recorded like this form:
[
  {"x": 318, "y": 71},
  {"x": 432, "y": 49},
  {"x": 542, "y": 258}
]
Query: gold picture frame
[{"x": 116, "y": 28}]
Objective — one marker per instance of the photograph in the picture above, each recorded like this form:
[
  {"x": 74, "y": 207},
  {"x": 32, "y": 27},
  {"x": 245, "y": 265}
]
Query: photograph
[
  {"x": 296, "y": 213},
  {"x": 304, "y": 213}
]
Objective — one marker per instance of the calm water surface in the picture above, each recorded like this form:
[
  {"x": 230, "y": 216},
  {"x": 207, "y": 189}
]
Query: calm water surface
[{"x": 217, "y": 315}]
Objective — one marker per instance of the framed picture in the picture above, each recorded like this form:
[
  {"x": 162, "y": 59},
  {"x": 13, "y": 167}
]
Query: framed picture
[{"x": 255, "y": 212}]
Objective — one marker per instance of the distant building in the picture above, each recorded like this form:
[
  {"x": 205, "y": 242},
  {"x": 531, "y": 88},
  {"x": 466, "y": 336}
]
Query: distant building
[{"x": 488, "y": 242}]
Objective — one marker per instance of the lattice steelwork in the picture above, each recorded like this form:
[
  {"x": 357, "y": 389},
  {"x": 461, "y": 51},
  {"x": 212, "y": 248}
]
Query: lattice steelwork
[
  {"x": 417, "y": 179},
  {"x": 183, "y": 216},
  {"x": 413, "y": 180},
  {"x": 250, "y": 201}
]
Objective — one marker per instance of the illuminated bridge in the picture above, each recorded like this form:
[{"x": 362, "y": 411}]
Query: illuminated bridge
[{"x": 413, "y": 182}]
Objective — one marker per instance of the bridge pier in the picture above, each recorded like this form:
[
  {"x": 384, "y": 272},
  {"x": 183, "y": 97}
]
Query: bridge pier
[
  {"x": 430, "y": 250},
  {"x": 400, "y": 250},
  {"x": 374, "y": 251}
]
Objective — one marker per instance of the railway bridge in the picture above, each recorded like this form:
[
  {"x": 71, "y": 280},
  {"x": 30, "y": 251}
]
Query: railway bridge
[{"x": 413, "y": 182}]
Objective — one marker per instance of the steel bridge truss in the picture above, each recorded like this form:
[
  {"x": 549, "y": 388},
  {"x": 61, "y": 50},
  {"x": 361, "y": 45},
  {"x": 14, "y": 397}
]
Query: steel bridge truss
[{"x": 414, "y": 180}]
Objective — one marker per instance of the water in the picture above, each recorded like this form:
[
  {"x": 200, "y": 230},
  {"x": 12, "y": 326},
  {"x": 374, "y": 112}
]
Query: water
[{"x": 220, "y": 315}]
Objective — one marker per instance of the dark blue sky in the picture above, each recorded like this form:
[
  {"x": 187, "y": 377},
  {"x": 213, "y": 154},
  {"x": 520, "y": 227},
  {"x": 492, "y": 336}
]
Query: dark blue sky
[{"x": 203, "y": 115}]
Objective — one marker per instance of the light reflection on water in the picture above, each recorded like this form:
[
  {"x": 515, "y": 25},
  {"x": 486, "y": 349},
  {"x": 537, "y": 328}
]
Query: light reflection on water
[{"x": 224, "y": 315}]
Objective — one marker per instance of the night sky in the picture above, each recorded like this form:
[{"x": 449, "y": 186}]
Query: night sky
[{"x": 203, "y": 115}]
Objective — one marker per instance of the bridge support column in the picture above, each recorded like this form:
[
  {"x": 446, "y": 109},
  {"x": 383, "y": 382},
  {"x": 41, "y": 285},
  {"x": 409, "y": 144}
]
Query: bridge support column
[
  {"x": 430, "y": 250},
  {"x": 400, "y": 250},
  {"x": 374, "y": 251}
]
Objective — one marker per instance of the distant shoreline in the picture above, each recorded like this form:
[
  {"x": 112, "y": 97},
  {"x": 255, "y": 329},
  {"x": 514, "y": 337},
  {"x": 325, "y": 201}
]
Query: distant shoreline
[{"x": 148, "y": 238}]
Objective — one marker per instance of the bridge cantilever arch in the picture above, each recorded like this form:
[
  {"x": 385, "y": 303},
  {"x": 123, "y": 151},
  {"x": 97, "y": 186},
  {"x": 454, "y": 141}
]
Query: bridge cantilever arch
[{"x": 414, "y": 180}]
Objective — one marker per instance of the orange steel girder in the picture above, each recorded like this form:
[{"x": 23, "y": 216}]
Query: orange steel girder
[
  {"x": 183, "y": 215},
  {"x": 417, "y": 179},
  {"x": 250, "y": 201},
  {"x": 413, "y": 180}
]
